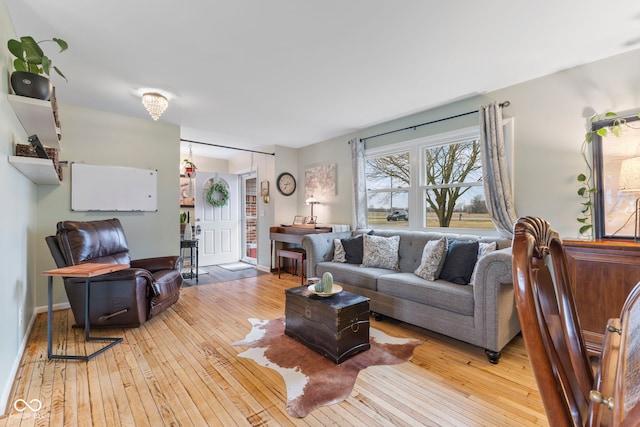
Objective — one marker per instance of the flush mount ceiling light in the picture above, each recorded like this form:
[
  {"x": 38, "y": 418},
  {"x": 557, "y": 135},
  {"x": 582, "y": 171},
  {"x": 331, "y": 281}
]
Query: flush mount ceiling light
[{"x": 155, "y": 103}]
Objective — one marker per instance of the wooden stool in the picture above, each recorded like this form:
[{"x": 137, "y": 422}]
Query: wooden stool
[{"x": 296, "y": 254}]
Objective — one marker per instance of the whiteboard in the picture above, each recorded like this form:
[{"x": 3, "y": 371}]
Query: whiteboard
[{"x": 113, "y": 188}]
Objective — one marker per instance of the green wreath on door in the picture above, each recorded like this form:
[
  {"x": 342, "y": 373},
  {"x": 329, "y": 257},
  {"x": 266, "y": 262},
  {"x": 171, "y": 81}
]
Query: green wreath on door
[{"x": 217, "y": 194}]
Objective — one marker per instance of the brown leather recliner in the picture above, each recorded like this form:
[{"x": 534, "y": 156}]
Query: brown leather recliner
[{"x": 125, "y": 298}]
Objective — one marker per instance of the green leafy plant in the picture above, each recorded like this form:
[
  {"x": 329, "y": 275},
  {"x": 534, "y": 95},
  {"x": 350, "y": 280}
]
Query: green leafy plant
[
  {"x": 586, "y": 190},
  {"x": 31, "y": 58},
  {"x": 183, "y": 217}
]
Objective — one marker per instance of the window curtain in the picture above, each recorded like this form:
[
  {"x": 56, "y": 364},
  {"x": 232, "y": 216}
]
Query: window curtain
[
  {"x": 359, "y": 184},
  {"x": 497, "y": 184}
]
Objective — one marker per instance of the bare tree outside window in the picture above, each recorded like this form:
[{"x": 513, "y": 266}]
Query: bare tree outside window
[
  {"x": 449, "y": 169},
  {"x": 451, "y": 187}
]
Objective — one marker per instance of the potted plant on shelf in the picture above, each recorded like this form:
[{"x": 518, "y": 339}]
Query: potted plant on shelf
[
  {"x": 29, "y": 64},
  {"x": 189, "y": 169}
]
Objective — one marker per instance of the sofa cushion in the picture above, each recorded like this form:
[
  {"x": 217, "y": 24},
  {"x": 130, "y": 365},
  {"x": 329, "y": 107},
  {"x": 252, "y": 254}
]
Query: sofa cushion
[
  {"x": 352, "y": 274},
  {"x": 339, "y": 254},
  {"x": 432, "y": 259},
  {"x": 460, "y": 262},
  {"x": 97, "y": 241},
  {"x": 381, "y": 252},
  {"x": 438, "y": 293}
]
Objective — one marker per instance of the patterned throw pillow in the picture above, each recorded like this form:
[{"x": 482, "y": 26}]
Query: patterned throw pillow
[
  {"x": 381, "y": 252},
  {"x": 432, "y": 259},
  {"x": 484, "y": 249},
  {"x": 338, "y": 251},
  {"x": 353, "y": 248}
]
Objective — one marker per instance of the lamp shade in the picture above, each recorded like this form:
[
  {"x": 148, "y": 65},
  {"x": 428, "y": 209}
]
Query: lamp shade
[
  {"x": 630, "y": 174},
  {"x": 155, "y": 104}
]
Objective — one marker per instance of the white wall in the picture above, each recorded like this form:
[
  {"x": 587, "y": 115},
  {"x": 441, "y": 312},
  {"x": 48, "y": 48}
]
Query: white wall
[
  {"x": 551, "y": 118},
  {"x": 550, "y": 122},
  {"x": 99, "y": 138},
  {"x": 18, "y": 230}
]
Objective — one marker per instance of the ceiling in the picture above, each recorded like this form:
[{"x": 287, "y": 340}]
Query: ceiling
[{"x": 254, "y": 73}]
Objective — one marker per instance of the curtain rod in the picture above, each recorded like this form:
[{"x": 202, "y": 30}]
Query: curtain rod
[
  {"x": 225, "y": 146},
  {"x": 504, "y": 104}
]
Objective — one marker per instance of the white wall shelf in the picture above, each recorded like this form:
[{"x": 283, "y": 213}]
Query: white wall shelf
[
  {"x": 37, "y": 118},
  {"x": 40, "y": 171}
]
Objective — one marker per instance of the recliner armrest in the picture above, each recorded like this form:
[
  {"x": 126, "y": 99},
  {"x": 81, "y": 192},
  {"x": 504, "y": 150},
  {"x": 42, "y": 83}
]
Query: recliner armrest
[
  {"x": 172, "y": 262},
  {"x": 126, "y": 274}
]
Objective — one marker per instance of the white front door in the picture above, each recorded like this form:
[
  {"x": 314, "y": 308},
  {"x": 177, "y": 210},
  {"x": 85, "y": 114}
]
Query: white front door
[{"x": 217, "y": 228}]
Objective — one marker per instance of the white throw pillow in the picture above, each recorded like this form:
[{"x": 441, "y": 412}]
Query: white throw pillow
[
  {"x": 483, "y": 249},
  {"x": 339, "y": 255},
  {"x": 432, "y": 259},
  {"x": 381, "y": 252}
]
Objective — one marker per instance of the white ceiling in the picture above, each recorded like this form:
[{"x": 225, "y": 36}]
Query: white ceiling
[{"x": 253, "y": 73}]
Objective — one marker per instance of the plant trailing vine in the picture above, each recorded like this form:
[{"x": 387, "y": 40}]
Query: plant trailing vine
[
  {"x": 190, "y": 164},
  {"x": 217, "y": 194},
  {"x": 587, "y": 190}
]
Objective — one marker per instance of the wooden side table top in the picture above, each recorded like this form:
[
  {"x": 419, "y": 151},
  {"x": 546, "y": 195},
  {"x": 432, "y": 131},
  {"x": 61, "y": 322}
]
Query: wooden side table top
[{"x": 87, "y": 269}]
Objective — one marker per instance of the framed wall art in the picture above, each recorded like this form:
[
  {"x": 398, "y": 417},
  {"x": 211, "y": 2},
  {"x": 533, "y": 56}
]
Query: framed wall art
[{"x": 320, "y": 182}]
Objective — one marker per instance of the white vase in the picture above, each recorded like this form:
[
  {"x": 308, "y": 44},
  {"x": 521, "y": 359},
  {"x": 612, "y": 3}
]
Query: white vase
[{"x": 188, "y": 233}]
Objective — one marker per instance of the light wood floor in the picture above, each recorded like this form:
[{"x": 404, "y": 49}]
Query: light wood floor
[{"x": 180, "y": 369}]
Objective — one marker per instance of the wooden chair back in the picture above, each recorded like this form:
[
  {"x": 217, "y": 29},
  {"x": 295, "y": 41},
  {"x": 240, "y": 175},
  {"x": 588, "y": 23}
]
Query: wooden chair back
[{"x": 550, "y": 325}]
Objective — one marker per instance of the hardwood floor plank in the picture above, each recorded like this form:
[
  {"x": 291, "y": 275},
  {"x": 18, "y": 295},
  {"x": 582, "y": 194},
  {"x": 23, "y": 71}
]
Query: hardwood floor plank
[{"x": 181, "y": 368}]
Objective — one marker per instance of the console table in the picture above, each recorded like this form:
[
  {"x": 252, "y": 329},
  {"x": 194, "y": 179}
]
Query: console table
[
  {"x": 86, "y": 270},
  {"x": 288, "y": 234}
]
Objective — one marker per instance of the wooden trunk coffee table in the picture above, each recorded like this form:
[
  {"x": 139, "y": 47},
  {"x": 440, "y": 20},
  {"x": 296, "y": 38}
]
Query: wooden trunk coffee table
[{"x": 335, "y": 326}]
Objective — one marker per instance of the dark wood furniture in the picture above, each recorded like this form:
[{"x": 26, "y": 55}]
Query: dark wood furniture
[
  {"x": 602, "y": 272},
  {"x": 291, "y": 235},
  {"x": 192, "y": 245},
  {"x": 86, "y": 271},
  {"x": 550, "y": 327},
  {"x": 615, "y": 403},
  {"x": 298, "y": 256},
  {"x": 336, "y": 326}
]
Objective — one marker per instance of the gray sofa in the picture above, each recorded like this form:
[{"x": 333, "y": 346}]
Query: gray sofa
[{"x": 482, "y": 313}]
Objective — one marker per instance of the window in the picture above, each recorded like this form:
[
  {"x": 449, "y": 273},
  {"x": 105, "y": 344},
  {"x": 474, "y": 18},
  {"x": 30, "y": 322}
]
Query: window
[
  {"x": 432, "y": 182},
  {"x": 388, "y": 183},
  {"x": 452, "y": 189}
]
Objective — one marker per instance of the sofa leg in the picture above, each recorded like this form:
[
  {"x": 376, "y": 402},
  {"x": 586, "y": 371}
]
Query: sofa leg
[
  {"x": 377, "y": 316},
  {"x": 493, "y": 356}
]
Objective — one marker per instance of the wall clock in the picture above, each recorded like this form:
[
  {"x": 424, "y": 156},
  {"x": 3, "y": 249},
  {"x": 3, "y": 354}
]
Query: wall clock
[{"x": 286, "y": 184}]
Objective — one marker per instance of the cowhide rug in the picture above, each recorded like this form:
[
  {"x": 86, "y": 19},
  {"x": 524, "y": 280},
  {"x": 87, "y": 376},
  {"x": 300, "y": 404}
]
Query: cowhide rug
[{"x": 311, "y": 379}]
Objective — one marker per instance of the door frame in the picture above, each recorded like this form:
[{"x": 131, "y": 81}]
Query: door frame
[{"x": 245, "y": 257}]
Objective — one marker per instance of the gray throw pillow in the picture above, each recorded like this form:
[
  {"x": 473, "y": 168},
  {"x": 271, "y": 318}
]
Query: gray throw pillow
[
  {"x": 460, "y": 262},
  {"x": 432, "y": 259},
  {"x": 353, "y": 249},
  {"x": 381, "y": 252}
]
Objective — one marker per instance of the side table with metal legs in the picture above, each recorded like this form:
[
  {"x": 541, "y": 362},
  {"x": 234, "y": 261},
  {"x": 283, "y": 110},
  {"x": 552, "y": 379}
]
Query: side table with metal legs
[
  {"x": 192, "y": 245},
  {"x": 86, "y": 270}
]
